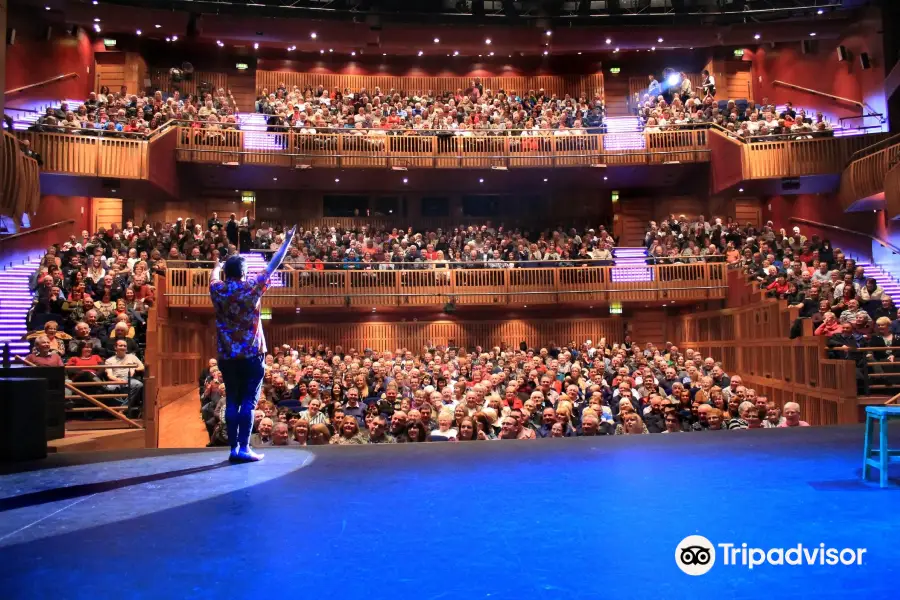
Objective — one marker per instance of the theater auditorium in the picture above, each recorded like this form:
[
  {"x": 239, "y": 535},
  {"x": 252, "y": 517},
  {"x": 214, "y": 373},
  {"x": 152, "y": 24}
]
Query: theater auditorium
[{"x": 612, "y": 285}]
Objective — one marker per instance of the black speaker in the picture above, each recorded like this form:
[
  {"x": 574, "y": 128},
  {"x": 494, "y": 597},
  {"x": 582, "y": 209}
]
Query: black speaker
[
  {"x": 23, "y": 435},
  {"x": 864, "y": 61},
  {"x": 842, "y": 54}
]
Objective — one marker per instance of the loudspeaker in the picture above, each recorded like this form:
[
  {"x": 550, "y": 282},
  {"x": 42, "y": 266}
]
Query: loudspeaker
[
  {"x": 842, "y": 54},
  {"x": 10, "y": 36},
  {"x": 864, "y": 61},
  {"x": 807, "y": 46},
  {"x": 23, "y": 435}
]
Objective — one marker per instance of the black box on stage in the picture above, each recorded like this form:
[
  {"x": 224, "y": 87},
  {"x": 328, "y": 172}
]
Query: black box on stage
[
  {"x": 55, "y": 409},
  {"x": 23, "y": 430}
]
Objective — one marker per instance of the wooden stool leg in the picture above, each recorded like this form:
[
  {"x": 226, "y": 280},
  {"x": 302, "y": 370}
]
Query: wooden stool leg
[
  {"x": 867, "y": 447},
  {"x": 884, "y": 457}
]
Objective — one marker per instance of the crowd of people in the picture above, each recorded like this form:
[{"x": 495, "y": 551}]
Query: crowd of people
[
  {"x": 683, "y": 104},
  {"x": 828, "y": 288},
  {"x": 124, "y": 114},
  {"x": 325, "y": 395}
]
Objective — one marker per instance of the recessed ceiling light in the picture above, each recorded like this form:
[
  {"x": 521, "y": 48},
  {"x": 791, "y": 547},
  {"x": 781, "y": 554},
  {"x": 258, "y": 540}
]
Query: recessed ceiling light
[
  {"x": 313, "y": 35},
  {"x": 421, "y": 53},
  {"x": 608, "y": 41},
  {"x": 813, "y": 34},
  {"x": 138, "y": 32},
  {"x": 405, "y": 180},
  {"x": 456, "y": 53},
  {"x": 174, "y": 38},
  {"x": 546, "y": 52},
  {"x": 97, "y": 20},
  {"x": 437, "y": 40},
  {"x": 256, "y": 45},
  {"x": 490, "y": 53},
  {"x": 818, "y": 12},
  {"x": 548, "y": 32},
  {"x": 757, "y": 36},
  {"x": 158, "y": 26},
  {"x": 353, "y": 53},
  {"x": 336, "y": 180},
  {"x": 487, "y": 41},
  {"x": 659, "y": 40},
  {"x": 545, "y": 180},
  {"x": 740, "y": 190},
  {"x": 274, "y": 179},
  {"x": 481, "y": 181}
]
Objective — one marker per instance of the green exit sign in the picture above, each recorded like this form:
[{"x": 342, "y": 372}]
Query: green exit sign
[
  {"x": 241, "y": 66},
  {"x": 615, "y": 70},
  {"x": 739, "y": 52}
]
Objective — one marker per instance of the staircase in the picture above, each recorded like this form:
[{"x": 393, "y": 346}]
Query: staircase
[
  {"x": 255, "y": 135},
  {"x": 887, "y": 282},
  {"x": 15, "y": 301},
  {"x": 256, "y": 263},
  {"x": 631, "y": 265},
  {"x": 23, "y": 120}
]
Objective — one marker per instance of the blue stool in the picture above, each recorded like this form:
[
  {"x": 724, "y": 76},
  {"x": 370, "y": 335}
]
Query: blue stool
[{"x": 883, "y": 414}]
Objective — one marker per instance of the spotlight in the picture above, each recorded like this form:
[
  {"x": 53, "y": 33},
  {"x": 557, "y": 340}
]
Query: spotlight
[
  {"x": 673, "y": 79},
  {"x": 616, "y": 50},
  {"x": 421, "y": 53},
  {"x": 608, "y": 41},
  {"x": 487, "y": 41},
  {"x": 46, "y": 8},
  {"x": 813, "y": 34},
  {"x": 757, "y": 36},
  {"x": 168, "y": 39},
  {"x": 456, "y": 53},
  {"x": 437, "y": 40},
  {"x": 330, "y": 49},
  {"x": 97, "y": 27},
  {"x": 313, "y": 35},
  {"x": 256, "y": 46},
  {"x": 158, "y": 26},
  {"x": 491, "y": 53},
  {"x": 481, "y": 181},
  {"x": 545, "y": 180},
  {"x": 546, "y": 52},
  {"x": 97, "y": 20},
  {"x": 174, "y": 38},
  {"x": 818, "y": 12},
  {"x": 659, "y": 40},
  {"x": 653, "y": 48},
  {"x": 321, "y": 51},
  {"x": 405, "y": 180},
  {"x": 138, "y": 32},
  {"x": 741, "y": 190},
  {"x": 548, "y": 32},
  {"x": 336, "y": 180},
  {"x": 353, "y": 53}
]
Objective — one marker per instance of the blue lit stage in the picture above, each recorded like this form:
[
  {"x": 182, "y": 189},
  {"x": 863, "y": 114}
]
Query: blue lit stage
[{"x": 585, "y": 518}]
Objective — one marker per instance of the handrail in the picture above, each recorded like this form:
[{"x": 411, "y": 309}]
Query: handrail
[
  {"x": 884, "y": 243},
  {"x": 58, "y": 129},
  {"x": 434, "y": 265},
  {"x": 38, "y": 230},
  {"x": 862, "y": 105},
  {"x": 894, "y": 139},
  {"x": 30, "y": 86}
]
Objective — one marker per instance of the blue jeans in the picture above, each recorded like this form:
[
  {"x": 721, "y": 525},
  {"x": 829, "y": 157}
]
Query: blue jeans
[{"x": 243, "y": 379}]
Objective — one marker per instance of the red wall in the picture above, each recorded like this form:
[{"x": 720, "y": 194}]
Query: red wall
[
  {"x": 32, "y": 59},
  {"x": 820, "y": 71},
  {"x": 53, "y": 209}
]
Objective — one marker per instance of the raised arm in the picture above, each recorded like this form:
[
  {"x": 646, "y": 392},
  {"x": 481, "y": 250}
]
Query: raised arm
[
  {"x": 216, "y": 272},
  {"x": 278, "y": 257}
]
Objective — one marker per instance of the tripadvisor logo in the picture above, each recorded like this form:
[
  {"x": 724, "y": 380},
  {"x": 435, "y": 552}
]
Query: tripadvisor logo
[{"x": 696, "y": 555}]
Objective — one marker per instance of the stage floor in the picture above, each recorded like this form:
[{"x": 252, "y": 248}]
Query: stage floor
[{"x": 584, "y": 518}]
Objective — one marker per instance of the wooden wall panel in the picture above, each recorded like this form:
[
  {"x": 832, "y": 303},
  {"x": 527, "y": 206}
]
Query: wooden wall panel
[
  {"x": 107, "y": 211},
  {"x": 417, "y": 335},
  {"x": 748, "y": 210},
  {"x": 575, "y": 85}
]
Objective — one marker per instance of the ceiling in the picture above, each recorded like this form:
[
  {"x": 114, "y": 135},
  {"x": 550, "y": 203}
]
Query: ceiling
[{"x": 309, "y": 30}]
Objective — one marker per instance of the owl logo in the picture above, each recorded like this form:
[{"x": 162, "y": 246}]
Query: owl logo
[{"x": 695, "y": 555}]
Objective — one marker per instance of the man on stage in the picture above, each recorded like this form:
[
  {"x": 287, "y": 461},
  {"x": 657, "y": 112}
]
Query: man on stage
[{"x": 242, "y": 345}]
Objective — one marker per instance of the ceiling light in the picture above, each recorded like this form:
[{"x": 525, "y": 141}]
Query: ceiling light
[
  {"x": 405, "y": 180},
  {"x": 813, "y": 34},
  {"x": 95, "y": 3},
  {"x": 330, "y": 49},
  {"x": 138, "y": 32},
  {"x": 274, "y": 179},
  {"x": 421, "y": 53},
  {"x": 168, "y": 39},
  {"x": 545, "y": 180},
  {"x": 290, "y": 49},
  {"x": 481, "y": 181},
  {"x": 741, "y": 190},
  {"x": 336, "y": 180},
  {"x": 437, "y": 40},
  {"x": 608, "y": 41},
  {"x": 605, "y": 178},
  {"x": 456, "y": 53},
  {"x": 487, "y": 41},
  {"x": 46, "y": 8},
  {"x": 480, "y": 55},
  {"x": 97, "y": 20},
  {"x": 158, "y": 26},
  {"x": 174, "y": 38},
  {"x": 579, "y": 53},
  {"x": 757, "y": 36},
  {"x": 313, "y": 35},
  {"x": 818, "y": 12},
  {"x": 659, "y": 40},
  {"x": 548, "y": 32},
  {"x": 322, "y": 51},
  {"x": 256, "y": 46},
  {"x": 546, "y": 52},
  {"x": 384, "y": 53},
  {"x": 353, "y": 53},
  {"x": 616, "y": 50},
  {"x": 653, "y": 48},
  {"x": 490, "y": 53},
  {"x": 97, "y": 27}
]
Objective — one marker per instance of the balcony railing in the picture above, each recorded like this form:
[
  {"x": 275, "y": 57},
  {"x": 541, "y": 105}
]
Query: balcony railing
[
  {"x": 417, "y": 149},
  {"x": 865, "y": 175},
  {"x": 189, "y": 288},
  {"x": 19, "y": 180}
]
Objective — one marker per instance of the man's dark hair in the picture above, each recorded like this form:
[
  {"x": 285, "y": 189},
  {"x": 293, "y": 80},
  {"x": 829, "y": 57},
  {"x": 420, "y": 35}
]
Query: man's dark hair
[{"x": 235, "y": 267}]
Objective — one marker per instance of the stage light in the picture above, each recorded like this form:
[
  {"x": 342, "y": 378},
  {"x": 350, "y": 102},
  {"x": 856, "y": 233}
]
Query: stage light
[
  {"x": 168, "y": 39},
  {"x": 659, "y": 40},
  {"x": 820, "y": 12},
  {"x": 256, "y": 46},
  {"x": 336, "y": 180},
  {"x": 405, "y": 180},
  {"x": 481, "y": 181},
  {"x": 546, "y": 52},
  {"x": 46, "y": 8},
  {"x": 329, "y": 50},
  {"x": 813, "y": 34},
  {"x": 313, "y": 35},
  {"x": 174, "y": 38},
  {"x": 673, "y": 79},
  {"x": 490, "y": 53},
  {"x": 97, "y": 20},
  {"x": 608, "y": 41},
  {"x": 741, "y": 190},
  {"x": 353, "y": 53},
  {"x": 384, "y": 53},
  {"x": 158, "y": 26},
  {"x": 138, "y": 32},
  {"x": 548, "y": 32},
  {"x": 616, "y": 50},
  {"x": 421, "y": 53},
  {"x": 757, "y": 36},
  {"x": 488, "y": 41},
  {"x": 653, "y": 48},
  {"x": 579, "y": 53},
  {"x": 97, "y": 27},
  {"x": 456, "y": 53},
  {"x": 437, "y": 40},
  {"x": 322, "y": 51},
  {"x": 545, "y": 180}
]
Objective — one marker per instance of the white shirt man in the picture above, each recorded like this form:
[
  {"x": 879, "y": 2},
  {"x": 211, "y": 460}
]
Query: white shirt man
[{"x": 127, "y": 366}]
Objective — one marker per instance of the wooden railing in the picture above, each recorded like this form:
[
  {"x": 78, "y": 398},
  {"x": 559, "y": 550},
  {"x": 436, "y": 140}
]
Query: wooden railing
[
  {"x": 865, "y": 175},
  {"x": 19, "y": 179},
  {"x": 357, "y": 148},
  {"x": 892, "y": 192},
  {"x": 436, "y": 287},
  {"x": 752, "y": 341}
]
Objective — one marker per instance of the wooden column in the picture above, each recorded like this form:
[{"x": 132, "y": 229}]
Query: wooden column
[{"x": 2, "y": 54}]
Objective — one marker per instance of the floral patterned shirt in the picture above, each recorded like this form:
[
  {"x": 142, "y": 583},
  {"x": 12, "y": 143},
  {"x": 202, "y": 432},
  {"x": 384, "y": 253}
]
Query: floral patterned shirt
[{"x": 239, "y": 332}]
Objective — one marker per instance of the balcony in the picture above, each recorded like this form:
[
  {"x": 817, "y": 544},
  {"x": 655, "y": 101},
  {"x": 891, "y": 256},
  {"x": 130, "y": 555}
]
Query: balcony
[
  {"x": 864, "y": 180},
  {"x": 428, "y": 287},
  {"x": 374, "y": 149},
  {"x": 19, "y": 182}
]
